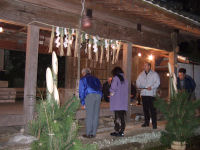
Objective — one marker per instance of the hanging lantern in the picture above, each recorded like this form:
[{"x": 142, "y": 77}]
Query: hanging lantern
[{"x": 86, "y": 21}]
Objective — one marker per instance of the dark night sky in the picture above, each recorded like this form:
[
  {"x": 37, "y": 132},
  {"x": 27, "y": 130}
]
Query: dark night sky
[{"x": 189, "y": 6}]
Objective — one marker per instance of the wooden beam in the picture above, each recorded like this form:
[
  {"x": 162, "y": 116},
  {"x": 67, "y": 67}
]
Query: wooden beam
[
  {"x": 127, "y": 65},
  {"x": 30, "y": 74},
  {"x": 12, "y": 45},
  {"x": 24, "y": 13}
]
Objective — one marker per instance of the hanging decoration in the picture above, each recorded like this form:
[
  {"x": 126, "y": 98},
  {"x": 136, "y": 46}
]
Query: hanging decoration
[
  {"x": 101, "y": 57},
  {"x": 113, "y": 45},
  {"x": 64, "y": 38},
  {"x": 51, "y": 40},
  {"x": 86, "y": 45},
  {"x": 57, "y": 41},
  {"x": 118, "y": 49},
  {"x": 76, "y": 43},
  {"x": 61, "y": 42},
  {"x": 83, "y": 40},
  {"x": 95, "y": 47},
  {"x": 90, "y": 49},
  {"x": 70, "y": 41},
  {"x": 107, "y": 46}
]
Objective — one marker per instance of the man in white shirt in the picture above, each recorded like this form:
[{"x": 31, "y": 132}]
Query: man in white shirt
[{"x": 148, "y": 81}]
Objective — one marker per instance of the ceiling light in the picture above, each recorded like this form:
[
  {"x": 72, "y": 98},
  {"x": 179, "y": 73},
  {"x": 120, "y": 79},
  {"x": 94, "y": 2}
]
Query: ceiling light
[
  {"x": 150, "y": 57},
  {"x": 1, "y": 29}
]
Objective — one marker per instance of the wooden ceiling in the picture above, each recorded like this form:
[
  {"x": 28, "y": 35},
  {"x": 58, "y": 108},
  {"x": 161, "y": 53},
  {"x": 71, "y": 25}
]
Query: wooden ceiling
[{"x": 117, "y": 19}]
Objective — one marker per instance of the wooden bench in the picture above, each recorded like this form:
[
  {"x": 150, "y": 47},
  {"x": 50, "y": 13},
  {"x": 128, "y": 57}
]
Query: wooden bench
[
  {"x": 39, "y": 92},
  {"x": 7, "y": 95},
  {"x": 3, "y": 84},
  {"x": 11, "y": 94}
]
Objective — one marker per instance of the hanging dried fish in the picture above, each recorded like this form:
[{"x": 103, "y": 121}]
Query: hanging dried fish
[
  {"x": 97, "y": 55},
  {"x": 107, "y": 46},
  {"x": 118, "y": 49},
  {"x": 61, "y": 42},
  {"x": 114, "y": 51},
  {"x": 90, "y": 50},
  {"x": 77, "y": 43},
  {"x": 51, "y": 40},
  {"x": 70, "y": 40},
  {"x": 101, "y": 58},
  {"x": 57, "y": 41}
]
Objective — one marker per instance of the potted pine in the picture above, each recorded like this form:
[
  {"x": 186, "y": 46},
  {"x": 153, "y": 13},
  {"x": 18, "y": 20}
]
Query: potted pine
[{"x": 181, "y": 119}]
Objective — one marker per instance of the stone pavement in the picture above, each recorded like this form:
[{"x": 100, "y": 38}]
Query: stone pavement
[{"x": 135, "y": 137}]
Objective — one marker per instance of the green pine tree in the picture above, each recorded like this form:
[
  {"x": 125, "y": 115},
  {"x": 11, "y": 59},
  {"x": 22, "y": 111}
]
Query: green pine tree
[
  {"x": 56, "y": 127},
  {"x": 180, "y": 116}
]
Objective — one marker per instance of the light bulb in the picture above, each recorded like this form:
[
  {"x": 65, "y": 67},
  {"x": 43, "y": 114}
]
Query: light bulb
[
  {"x": 1, "y": 29},
  {"x": 150, "y": 57},
  {"x": 167, "y": 74},
  {"x": 139, "y": 54}
]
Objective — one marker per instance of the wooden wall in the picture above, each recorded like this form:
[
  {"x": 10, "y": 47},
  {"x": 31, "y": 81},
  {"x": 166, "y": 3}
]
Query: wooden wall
[{"x": 101, "y": 71}]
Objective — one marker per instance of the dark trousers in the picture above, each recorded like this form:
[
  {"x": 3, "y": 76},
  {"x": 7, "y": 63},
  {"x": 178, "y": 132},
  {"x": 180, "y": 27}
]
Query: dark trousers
[
  {"x": 149, "y": 110},
  {"x": 120, "y": 121}
]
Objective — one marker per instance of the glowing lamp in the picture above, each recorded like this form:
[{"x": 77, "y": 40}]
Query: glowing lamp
[
  {"x": 150, "y": 57},
  {"x": 1, "y": 29},
  {"x": 86, "y": 22},
  {"x": 167, "y": 74}
]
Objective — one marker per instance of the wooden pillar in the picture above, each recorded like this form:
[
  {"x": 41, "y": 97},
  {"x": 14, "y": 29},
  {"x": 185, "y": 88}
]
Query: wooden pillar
[
  {"x": 78, "y": 49},
  {"x": 175, "y": 48},
  {"x": 31, "y": 74},
  {"x": 127, "y": 63},
  {"x": 173, "y": 56},
  {"x": 1, "y": 59}
]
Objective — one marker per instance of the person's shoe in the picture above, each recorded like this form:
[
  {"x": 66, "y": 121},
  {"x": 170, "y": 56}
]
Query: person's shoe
[
  {"x": 144, "y": 125},
  {"x": 91, "y": 136},
  {"x": 87, "y": 136},
  {"x": 154, "y": 127},
  {"x": 121, "y": 134},
  {"x": 114, "y": 134}
]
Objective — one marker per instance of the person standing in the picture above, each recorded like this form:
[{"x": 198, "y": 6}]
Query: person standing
[
  {"x": 119, "y": 100},
  {"x": 186, "y": 83},
  {"x": 148, "y": 81},
  {"x": 90, "y": 93},
  {"x": 106, "y": 89}
]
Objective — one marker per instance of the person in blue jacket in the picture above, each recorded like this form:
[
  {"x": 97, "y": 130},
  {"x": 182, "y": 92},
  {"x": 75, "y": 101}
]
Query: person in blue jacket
[
  {"x": 90, "y": 93},
  {"x": 186, "y": 83}
]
